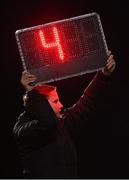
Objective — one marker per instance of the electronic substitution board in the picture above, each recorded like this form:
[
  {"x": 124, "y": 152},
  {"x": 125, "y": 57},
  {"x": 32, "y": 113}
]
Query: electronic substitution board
[{"x": 64, "y": 48}]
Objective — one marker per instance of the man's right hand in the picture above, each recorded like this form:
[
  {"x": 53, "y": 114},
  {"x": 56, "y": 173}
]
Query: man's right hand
[{"x": 26, "y": 80}]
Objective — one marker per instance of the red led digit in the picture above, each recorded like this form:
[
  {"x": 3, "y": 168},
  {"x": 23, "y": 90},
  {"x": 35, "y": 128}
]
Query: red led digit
[{"x": 53, "y": 44}]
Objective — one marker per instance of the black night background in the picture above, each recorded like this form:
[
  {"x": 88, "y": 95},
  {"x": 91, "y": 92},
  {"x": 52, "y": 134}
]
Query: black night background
[{"x": 103, "y": 146}]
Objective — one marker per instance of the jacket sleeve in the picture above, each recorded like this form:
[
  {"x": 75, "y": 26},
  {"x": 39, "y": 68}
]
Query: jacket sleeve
[
  {"x": 38, "y": 122},
  {"x": 88, "y": 102}
]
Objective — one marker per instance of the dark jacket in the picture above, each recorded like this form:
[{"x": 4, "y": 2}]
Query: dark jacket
[{"x": 46, "y": 144}]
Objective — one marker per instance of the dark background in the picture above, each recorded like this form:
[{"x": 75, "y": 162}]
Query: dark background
[{"x": 103, "y": 145}]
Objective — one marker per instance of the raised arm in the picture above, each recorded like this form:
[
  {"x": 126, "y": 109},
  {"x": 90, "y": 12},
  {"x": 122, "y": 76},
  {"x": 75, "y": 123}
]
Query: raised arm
[
  {"x": 89, "y": 101},
  {"x": 38, "y": 121}
]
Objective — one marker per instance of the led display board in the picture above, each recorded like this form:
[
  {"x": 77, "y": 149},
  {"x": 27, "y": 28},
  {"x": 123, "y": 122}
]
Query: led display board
[{"x": 64, "y": 48}]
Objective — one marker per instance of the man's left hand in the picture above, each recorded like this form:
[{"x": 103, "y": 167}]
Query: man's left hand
[{"x": 110, "y": 66}]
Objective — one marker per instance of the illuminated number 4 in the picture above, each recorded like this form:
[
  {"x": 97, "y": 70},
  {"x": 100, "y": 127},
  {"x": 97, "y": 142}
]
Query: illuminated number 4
[{"x": 53, "y": 44}]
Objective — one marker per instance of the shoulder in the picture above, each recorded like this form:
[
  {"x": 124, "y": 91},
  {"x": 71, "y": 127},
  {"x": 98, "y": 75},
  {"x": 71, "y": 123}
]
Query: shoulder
[{"x": 23, "y": 114}]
